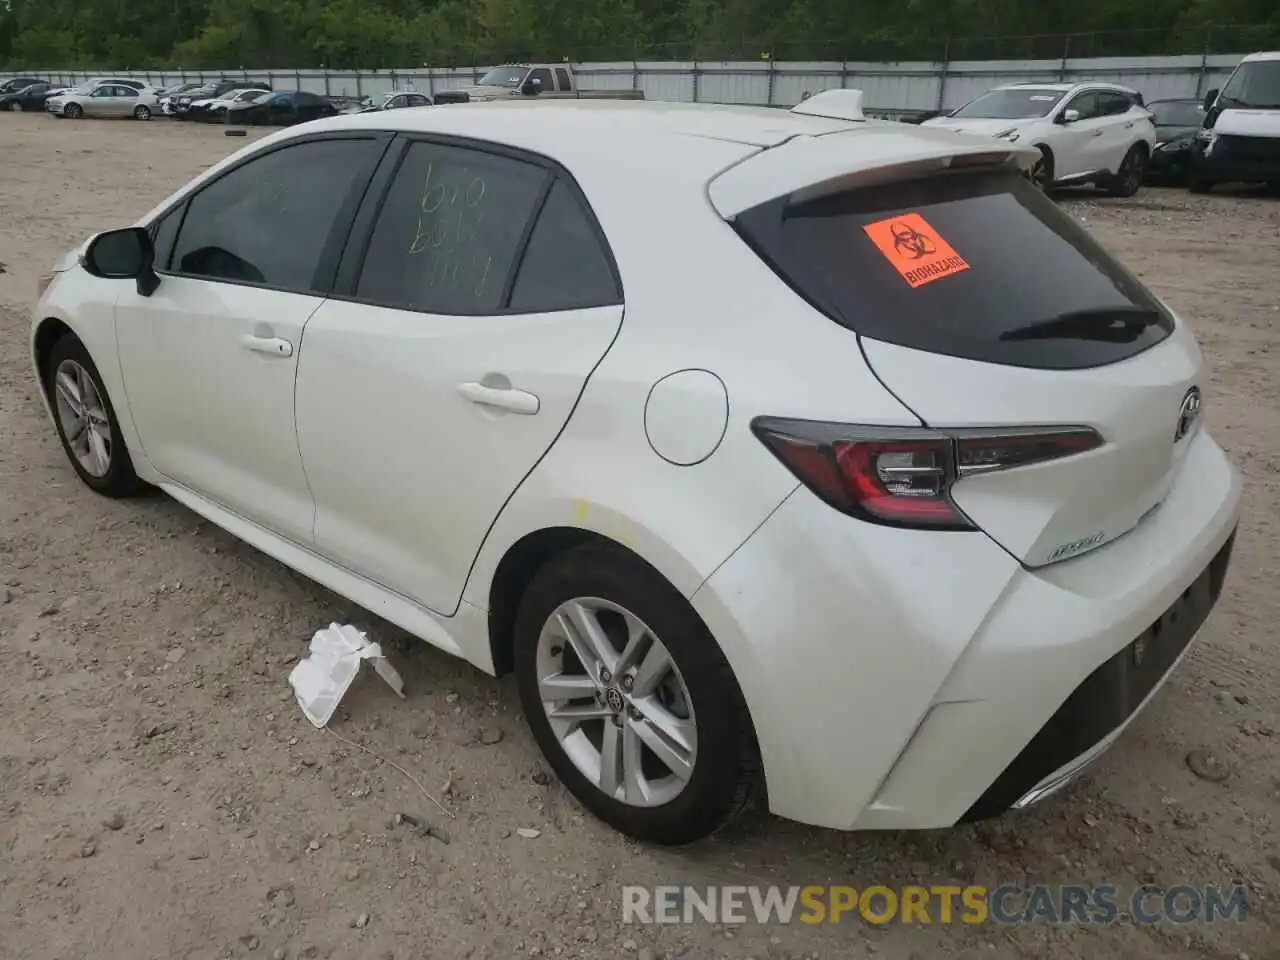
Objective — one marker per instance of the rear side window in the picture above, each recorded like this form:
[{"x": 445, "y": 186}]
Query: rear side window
[
  {"x": 976, "y": 265},
  {"x": 564, "y": 267},
  {"x": 1114, "y": 104},
  {"x": 449, "y": 231}
]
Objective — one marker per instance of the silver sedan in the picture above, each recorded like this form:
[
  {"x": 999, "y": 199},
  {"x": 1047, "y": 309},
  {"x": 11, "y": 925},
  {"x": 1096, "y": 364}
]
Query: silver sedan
[{"x": 104, "y": 100}]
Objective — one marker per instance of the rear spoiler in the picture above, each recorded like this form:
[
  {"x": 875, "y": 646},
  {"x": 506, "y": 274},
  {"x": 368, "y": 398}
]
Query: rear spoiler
[
  {"x": 806, "y": 167},
  {"x": 838, "y": 104}
]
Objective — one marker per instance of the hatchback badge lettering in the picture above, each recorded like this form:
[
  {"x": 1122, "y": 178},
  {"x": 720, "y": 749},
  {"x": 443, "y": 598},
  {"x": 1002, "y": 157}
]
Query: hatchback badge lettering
[{"x": 1075, "y": 546}]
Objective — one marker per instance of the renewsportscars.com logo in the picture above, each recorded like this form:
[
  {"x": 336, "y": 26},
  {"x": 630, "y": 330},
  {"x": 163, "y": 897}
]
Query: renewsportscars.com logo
[{"x": 1007, "y": 904}]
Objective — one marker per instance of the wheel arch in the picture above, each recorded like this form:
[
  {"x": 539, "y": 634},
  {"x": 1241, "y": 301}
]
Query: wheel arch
[
  {"x": 521, "y": 562},
  {"x": 99, "y": 342},
  {"x": 47, "y": 333}
]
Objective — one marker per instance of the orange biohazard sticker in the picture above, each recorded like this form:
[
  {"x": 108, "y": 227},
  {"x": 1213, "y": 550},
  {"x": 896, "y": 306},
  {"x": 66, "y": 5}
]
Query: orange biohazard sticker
[{"x": 916, "y": 250}]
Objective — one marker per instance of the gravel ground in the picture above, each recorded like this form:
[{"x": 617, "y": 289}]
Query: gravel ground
[{"x": 161, "y": 796}]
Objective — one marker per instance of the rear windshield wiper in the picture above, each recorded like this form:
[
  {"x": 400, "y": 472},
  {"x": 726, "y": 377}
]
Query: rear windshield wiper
[{"x": 1103, "y": 324}]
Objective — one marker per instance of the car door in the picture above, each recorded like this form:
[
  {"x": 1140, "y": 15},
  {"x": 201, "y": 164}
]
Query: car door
[
  {"x": 312, "y": 107},
  {"x": 1077, "y": 149},
  {"x": 545, "y": 83},
  {"x": 279, "y": 110},
  {"x": 448, "y": 360},
  {"x": 209, "y": 358},
  {"x": 1120, "y": 117},
  {"x": 98, "y": 102},
  {"x": 125, "y": 101}
]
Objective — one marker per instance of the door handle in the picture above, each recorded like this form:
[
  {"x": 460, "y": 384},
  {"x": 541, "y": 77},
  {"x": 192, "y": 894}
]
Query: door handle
[
  {"x": 504, "y": 398},
  {"x": 1098, "y": 133},
  {"x": 270, "y": 346}
]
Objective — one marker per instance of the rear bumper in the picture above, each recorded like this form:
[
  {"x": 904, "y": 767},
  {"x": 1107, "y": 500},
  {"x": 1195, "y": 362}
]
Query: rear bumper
[
  {"x": 1097, "y": 711},
  {"x": 902, "y": 679}
]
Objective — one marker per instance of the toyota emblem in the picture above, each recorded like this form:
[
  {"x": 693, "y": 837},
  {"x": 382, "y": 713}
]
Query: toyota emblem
[{"x": 1188, "y": 415}]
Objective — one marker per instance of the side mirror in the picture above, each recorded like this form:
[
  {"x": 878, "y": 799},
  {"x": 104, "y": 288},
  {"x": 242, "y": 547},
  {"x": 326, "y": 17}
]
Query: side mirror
[
  {"x": 1209, "y": 99},
  {"x": 1068, "y": 116},
  {"x": 531, "y": 87},
  {"x": 123, "y": 255}
]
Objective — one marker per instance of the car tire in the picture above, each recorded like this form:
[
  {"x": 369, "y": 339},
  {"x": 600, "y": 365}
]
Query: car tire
[
  {"x": 86, "y": 421},
  {"x": 72, "y": 111},
  {"x": 13, "y": 106},
  {"x": 698, "y": 703},
  {"x": 1199, "y": 185},
  {"x": 1128, "y": 179},
  {"x": 1042, "y": 172},
  {"x": 142, "y": 112}
]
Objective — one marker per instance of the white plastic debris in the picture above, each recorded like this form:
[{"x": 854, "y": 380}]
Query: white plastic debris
[{"x": 322, "y": 679}]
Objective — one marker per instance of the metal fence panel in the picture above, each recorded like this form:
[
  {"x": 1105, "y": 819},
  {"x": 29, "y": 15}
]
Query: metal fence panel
[{"x": 898, "y": 88}]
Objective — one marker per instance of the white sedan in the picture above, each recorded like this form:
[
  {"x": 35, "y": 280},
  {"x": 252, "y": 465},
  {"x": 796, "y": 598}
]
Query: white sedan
[
  {"x": 1097, "y": 133},
  {"x": 223, "y": 103},
  {"x": 778, "y": 454}
]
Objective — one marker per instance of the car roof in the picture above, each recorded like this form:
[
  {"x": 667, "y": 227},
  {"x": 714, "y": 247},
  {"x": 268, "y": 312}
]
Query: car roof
[
  {"x": 1261, "y": 55},
  {"x": 1067, "y": 87},
  {"x": 573, "y": 126}
]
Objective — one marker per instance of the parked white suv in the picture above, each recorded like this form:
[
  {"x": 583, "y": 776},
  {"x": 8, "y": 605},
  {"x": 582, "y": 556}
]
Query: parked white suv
[{"x": 1086, "y": 132}]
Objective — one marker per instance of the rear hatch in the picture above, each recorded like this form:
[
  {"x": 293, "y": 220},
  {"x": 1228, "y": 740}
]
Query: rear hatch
[{"x": 1065, "y": 391}]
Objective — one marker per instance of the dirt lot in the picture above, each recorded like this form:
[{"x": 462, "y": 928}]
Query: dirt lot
[{"x": 161, "y": 796}]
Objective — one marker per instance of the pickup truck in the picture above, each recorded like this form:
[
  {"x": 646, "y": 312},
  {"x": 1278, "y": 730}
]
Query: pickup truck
[{"x": 543, "y": 80}]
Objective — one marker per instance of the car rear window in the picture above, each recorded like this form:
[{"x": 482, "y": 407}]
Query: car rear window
[{"x": 975, "y": 265}]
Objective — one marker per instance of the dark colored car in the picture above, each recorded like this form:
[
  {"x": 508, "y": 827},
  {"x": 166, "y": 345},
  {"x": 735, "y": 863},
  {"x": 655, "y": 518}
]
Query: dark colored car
[
  {"x": 282, "y": 110},
  {"x": 31, "y": 97},
  {"x": 1176, "y": 123},
  {"x": 398, "y": 101},
  {"x": 18, "y": 83},
  {"x": 182, "y": 105}
]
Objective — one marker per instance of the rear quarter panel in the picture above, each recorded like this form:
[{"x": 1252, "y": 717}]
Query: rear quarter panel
[{"x": 696, "y": 297}]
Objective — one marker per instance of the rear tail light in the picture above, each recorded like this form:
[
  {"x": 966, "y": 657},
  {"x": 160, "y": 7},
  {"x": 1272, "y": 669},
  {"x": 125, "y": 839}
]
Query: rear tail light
[{"x": 903, "y": 477}]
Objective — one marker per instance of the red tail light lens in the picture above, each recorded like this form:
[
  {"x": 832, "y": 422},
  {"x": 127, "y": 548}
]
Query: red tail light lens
[{"x": 903, "y": 477}]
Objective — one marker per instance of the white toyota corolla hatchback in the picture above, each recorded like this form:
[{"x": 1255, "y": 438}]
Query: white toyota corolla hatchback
[{"x": 778, "y": 454}]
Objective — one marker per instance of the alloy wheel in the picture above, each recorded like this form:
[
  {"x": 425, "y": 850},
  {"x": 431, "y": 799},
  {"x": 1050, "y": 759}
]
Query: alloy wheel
[
  {"x": 83, "y": 418},
  {"x": 616, "y": 702},
  {"x": 1042, "y": 175},
  {"x": 1133, "y": 172}
]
